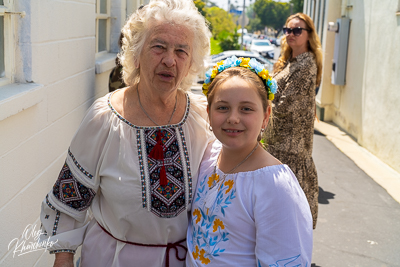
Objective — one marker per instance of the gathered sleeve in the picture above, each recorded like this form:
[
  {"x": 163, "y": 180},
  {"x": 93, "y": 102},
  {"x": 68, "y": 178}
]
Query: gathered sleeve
[
  {"x": 64, "y": 211},
  {"x": 283, "y": 221}
]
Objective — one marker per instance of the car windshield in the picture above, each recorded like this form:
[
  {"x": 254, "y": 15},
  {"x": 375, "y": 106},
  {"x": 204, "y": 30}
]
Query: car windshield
[{"x": 259, "y": 43}]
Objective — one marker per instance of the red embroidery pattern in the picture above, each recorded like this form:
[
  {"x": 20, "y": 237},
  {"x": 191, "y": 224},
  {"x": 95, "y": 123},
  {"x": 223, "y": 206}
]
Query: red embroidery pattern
[{"x": 167, "y": 200}]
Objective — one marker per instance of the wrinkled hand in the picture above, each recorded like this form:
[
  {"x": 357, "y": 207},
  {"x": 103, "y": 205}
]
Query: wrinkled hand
[{"x": 64, "y": 259}]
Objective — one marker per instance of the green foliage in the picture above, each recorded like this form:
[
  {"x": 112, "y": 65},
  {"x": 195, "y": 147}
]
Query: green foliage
[
  {"x": 272, "y": 14},
  {"x": 220, "y": 20},
  {"x": 255, "y": 25},
  {"x": 200, "y": 6},
  {"x": 297, "y": 5},
  {"x": 228, "y": 40},
  {"x": 215, "y": 47}
]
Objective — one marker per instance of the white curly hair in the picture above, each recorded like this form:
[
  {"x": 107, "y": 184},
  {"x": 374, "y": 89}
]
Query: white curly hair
[{"x": 136, "y": 30}]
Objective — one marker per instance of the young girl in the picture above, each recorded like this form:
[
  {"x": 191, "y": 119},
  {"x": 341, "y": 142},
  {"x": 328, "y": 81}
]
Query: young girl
[{"x": 249, "y": 209}]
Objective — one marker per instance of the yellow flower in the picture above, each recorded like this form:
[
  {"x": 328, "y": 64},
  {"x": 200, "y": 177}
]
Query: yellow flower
[
  {"x": 203, "y": 259},
  {"x": 212, "y": 178},
  {"x": 197, "y": 212},
  {"x": 271, "y": 96},
  {"x": 214, "y": 72},
  {"x": 205, "y": 88},
  {"x": 217, "y": 223},
  {"x": 230, "y": 184},
  {"x": 195, "y": 254},
  {"x": 263, "y": 74},
  {"x": 245, "y": 62},
  {"x": 220, "y": 63}
]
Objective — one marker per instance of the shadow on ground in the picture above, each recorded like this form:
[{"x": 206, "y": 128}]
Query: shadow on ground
[
  {"x": 324, "y": 196},
  {"x": 314, "y": 265},
  {"x": 318, "y": 132}
]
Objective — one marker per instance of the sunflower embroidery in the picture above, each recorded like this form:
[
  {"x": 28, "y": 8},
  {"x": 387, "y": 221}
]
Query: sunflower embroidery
[{"x": 197, "y": 213}]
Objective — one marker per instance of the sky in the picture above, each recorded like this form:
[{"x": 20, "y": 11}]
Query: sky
[{"x": 224, "y": 3}]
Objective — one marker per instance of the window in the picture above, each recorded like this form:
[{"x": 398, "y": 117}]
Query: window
[
  {"x": 102, "y": 26},
  {"x": 6, "y": 42}
]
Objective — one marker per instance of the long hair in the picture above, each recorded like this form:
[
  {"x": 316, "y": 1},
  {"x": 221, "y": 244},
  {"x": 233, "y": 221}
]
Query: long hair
[
  {"x": 138, "y": 26},
  {"x": 314, "y": 45}
]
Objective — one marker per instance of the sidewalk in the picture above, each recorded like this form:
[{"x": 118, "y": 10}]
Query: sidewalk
[{"x": 381, "y": 173}]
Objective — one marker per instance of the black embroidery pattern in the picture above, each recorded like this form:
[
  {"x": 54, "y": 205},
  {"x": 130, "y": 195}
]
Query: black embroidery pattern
[
  {"x": 72, "y": 193},
  {"x": 169, "y": 200}
]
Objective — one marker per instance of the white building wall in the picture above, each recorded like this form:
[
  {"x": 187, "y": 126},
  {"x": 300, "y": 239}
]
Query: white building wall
[
  {"x": 367, "y": 105},
  {"x": 56, "y": 82},
  {"x": 381, "y": 93}
]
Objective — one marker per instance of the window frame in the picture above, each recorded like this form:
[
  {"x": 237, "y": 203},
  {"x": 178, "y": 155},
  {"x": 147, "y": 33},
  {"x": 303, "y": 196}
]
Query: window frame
[
  {"x": 107, "y": 17},
  {"x": 6, "y": 11}
]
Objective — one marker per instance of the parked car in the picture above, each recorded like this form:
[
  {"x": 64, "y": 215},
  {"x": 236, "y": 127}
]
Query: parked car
[
  {"x": 273, "y": 41},
  {"x": 262, "y": 47}
]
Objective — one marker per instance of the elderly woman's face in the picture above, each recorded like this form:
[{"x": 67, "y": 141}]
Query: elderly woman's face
[{"x": 166, "y": 57}]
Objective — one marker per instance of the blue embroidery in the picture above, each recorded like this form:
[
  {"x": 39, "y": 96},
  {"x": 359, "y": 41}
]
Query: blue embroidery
[
  {"x": 208, "y": 230},
  {"x": 285, "y": 262}
]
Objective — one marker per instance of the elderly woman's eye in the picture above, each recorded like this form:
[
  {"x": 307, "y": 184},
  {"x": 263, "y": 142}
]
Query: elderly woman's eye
[{"x": 182, "y": 52}]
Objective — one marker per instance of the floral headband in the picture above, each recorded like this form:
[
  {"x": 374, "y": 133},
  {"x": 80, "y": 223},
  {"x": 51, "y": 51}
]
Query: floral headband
[{"x": 251, "y": 64}]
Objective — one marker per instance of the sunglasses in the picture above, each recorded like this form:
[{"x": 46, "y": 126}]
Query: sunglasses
[{"x": 296, "y": 31}]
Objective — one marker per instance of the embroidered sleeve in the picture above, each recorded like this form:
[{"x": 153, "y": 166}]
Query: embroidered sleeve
[
  {"x": 64, "y": 213},
  {"x": 283, "y": 221}
]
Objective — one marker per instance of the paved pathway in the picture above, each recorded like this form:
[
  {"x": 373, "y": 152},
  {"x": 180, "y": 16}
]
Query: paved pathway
[{"x": 358, "y": 222}]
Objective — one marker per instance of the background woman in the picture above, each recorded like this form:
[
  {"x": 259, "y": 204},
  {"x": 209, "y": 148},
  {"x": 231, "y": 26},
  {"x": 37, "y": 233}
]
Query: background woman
[
  {"x": 135, "y": 157},
  {"x": 298, "y": 73}
]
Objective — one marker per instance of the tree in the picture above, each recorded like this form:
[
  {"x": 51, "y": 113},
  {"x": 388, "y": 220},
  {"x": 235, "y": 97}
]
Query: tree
[
  {"x": 220, "y": 20},
  {"x": 200, "y": 6},
  {"x": 297, "y": 5},
  {"x": 272, "y": 14},
  {"x": 255, "y": 25}
]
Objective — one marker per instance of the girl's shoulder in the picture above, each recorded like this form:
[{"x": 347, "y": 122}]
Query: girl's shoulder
[{"x": 210, "y": 157}]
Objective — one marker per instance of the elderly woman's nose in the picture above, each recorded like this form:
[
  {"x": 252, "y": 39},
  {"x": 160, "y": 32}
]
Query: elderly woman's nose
[{"x": 169, "y": 59}]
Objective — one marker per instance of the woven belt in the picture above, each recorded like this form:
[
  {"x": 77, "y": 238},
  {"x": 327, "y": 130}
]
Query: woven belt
[{"x": 169, "y": 246}]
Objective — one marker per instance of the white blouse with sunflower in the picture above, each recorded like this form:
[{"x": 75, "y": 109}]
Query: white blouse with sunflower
[{"x": 257, "y": 218}]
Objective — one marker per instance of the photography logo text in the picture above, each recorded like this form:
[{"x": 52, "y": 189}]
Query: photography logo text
[{"x": 30, "y": 241}]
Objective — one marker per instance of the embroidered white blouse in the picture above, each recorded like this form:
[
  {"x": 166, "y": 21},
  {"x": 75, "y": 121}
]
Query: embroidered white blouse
[
  {"x": 107, "y": 170},
  {"x": 257, "y": 218}
]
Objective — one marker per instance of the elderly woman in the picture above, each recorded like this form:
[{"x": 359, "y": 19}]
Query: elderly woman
[
  {"x": 297, "y": 72},
  {"x": 134, "y": 159}
]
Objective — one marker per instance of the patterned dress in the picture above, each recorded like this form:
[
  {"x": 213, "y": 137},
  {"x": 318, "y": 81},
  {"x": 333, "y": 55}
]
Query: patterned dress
[
  {"x": 109, "y": 171},
  {"x": 290, "y": 139},
  {"x": 256, "y": 218}
]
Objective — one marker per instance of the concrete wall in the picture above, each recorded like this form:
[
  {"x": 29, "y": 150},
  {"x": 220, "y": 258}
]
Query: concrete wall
[
  {"x": 56, "y": 82},
  {"x": 381, "y": 93},
  {"x": 366, "y": 107}
]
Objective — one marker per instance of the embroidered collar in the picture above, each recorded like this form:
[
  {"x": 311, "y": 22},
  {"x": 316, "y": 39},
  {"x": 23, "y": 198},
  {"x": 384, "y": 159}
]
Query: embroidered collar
[{"x": 150, "y": 127}]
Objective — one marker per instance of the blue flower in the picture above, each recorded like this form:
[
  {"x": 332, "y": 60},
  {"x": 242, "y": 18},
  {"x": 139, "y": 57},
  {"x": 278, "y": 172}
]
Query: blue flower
[
  {"x": 231, "y": 62},
  {"x": 208, "y": 73},
  {"x": 273, "y": 86},
  {"x": 208, "y": 80},
  {"x": 257, "y": 66}
]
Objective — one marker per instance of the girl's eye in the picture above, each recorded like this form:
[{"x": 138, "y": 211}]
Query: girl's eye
[
  {"x": 247, "y": 109},
  {"x": 222, "y": 108}
]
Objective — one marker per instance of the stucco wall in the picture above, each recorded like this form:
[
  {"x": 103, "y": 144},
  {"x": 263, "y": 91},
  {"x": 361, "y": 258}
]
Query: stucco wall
[
  {"x": 55, "y": 53},
  {"x": 367, "y": 106},
  {"x": 381, "y": 92}
]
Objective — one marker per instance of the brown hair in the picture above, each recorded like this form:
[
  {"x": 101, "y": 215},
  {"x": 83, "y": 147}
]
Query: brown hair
[
  {"x": 314, "y": 45},
  {"x": 244, "y": 74}
]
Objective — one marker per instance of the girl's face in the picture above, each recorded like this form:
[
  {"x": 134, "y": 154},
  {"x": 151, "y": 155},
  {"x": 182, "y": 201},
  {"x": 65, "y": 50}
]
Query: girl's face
[{"x": 236, "y": 114}]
